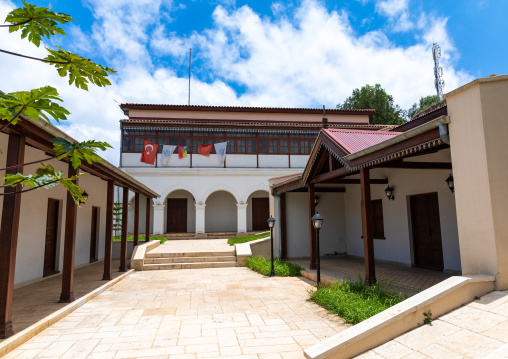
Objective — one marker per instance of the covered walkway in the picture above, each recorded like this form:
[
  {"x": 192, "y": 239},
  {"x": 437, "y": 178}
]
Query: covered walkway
[{"x": 401, "y": 279}]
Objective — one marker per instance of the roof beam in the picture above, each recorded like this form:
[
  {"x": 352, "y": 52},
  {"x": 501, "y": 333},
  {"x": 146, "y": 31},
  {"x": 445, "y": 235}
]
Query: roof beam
[{"x": 417, "y": 165}]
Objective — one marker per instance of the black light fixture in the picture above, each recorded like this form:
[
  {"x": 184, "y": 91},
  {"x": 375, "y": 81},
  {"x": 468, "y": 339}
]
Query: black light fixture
[
  {"x": 389, "y": 193},
  {"x": 271, "y": 224},
  {"x": 316, "y": 200},
  {"x": 317, "y": 221},
  {"x": 449, "y": 181},
  {"x": 85, "y": 197}
]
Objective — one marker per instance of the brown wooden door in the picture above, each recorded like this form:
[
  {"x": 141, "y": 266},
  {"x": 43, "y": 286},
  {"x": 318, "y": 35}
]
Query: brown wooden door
[
  {"x": 260, "y": 213},
  {"x": 51, "y": 237},
  {"x": 94, "y": 234},
  {"x": 427, "y": 244},
  {"x": 177, "y": 215}
]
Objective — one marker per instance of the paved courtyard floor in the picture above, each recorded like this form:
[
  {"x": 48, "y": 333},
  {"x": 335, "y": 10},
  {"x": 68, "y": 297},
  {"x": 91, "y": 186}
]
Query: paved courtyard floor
[
  {"x": 477, "y": 330},
  {"x": 194, "y": 245},
  {"x": 190, "y": 313}
]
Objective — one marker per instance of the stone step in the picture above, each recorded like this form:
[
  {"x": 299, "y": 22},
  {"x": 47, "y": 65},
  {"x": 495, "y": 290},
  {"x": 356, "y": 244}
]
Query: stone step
[
  {"x": 231, "y": 258},
  {"x": 189, "y": 254},
  {"x": 189, "y": 265}
]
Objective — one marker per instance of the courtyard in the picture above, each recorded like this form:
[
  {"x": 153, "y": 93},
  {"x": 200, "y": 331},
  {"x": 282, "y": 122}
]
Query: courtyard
[{"x": 191, "y": 313}]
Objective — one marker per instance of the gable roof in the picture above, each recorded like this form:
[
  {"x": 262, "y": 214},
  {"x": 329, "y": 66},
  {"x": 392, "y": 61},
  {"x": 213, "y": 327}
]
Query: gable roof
[{"x": 356, "y": 140}]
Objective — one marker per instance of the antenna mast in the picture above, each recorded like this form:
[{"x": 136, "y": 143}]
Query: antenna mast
[
  {"x": 190, "y": 59},
  {"x": 438, "y": 71}
]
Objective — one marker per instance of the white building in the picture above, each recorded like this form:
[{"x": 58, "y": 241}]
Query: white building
[{"x": 200, "y": 195}]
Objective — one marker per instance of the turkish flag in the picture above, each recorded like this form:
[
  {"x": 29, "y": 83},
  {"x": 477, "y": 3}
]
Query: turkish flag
[
  {"x": 149, "y": 152},
  {"x": 204, "y": 150}
]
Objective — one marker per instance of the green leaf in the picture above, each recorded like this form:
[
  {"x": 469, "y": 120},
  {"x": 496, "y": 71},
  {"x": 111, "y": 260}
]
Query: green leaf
[
  {"x": 33, "y": 104},
  {"x": 36, "y": 22},
  {"x": 78, "y": 151},
  {"x": 46, "y": 177},
  {"x": 81, "y": 71}
]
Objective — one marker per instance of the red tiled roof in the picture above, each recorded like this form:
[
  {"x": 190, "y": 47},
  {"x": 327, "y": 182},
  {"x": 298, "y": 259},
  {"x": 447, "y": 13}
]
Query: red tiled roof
[
  {"x": 140, "y": 106},
  {"x": 277, "y": 180},
  {"x": 250, "y": 122},
  {"x": 356, "y": 140}
]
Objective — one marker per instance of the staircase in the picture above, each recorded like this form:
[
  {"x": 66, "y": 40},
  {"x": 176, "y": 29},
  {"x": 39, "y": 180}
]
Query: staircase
[{"x": 189, "y": 260}]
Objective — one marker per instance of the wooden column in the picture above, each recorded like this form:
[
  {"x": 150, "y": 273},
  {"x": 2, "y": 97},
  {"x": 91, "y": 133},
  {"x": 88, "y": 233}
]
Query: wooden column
[
  {"x": 368, "y": 228},
  {"x": 9, "y": 234},
  {"x": 71, "y": 214},
  {"x": 283, "y": 238},
  {"x": 312, "y": 212},
  {"x": 147, "y": 221},
  {"x": 108, "y": 245},
  {"x": 136, "y": 219},
  {"x": 125, "y": 220}
]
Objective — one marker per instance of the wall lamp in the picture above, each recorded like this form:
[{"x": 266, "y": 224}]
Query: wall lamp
[
  {"x": 316, "y": 200},
  {"x": 449, "y": 181},
  {"x": 389, "y": 193},
  {"x": 85, "y": 197}
]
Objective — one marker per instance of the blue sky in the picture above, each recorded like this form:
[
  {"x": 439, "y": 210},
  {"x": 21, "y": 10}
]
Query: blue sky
[{"x": 304, "y": 53}]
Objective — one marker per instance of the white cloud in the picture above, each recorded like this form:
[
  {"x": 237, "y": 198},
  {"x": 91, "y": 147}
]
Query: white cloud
[
  {"x": 305, "y": 58},
  {"x": 392, "y": 8}
]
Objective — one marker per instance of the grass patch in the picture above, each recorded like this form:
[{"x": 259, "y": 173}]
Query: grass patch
[
  {"x": 141, "y": 238},
  {"x": 354, "y": 301},
  {"x": 233, "y": 241},
  {"x": 282, "y": 268}
]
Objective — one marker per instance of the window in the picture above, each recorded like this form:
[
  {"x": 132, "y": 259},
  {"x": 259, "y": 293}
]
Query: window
[
  {"x": 294, "y": 147},
  {"x": 272, "y": 148},
  {"x": 195, "y": 146},
  {"x": 283, "y": 146},
  {"x": 240, "y": 146},
  {"x": 127, "y": 145},
  {"x": 305, "y": 147},
  {"x": 262, "y": 146},
  {"x": 377, "y": 219},
  {"x": 251, "y": 146}
]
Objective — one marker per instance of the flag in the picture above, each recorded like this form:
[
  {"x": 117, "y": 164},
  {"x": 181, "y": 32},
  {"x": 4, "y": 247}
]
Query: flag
[
  {"x": 220, "y": 150},
  {"x": 167, "y": 151},
  {"x": 204, "y": 150},
  {"x": 182, "y": 151},
  {"x": 149, "y": 152}
]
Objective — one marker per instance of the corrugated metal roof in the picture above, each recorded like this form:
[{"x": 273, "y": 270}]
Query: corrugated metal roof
[{"x": 356, "y": 140}]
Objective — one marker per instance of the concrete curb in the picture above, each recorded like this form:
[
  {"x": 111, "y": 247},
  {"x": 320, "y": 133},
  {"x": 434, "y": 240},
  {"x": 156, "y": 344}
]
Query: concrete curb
[
  {"x": 17, "y": 339},
  {"x": 244, "y": 250}
]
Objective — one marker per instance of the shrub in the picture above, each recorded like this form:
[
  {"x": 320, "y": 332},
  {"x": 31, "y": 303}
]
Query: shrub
[
  {"x": 244, "y": 239},
  {"x": 354, "y": 301},
  {"x": 141, "y": 238},
  {"x": 282, "y": 268}
]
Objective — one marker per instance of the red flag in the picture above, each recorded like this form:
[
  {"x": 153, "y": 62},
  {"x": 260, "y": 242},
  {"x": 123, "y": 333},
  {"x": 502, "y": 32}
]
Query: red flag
[
  {"x": 204, "y": 150},
  {"x": 149, "y": 152}
]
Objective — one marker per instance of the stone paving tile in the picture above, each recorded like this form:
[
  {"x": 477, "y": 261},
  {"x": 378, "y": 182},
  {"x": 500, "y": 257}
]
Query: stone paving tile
[
  {"x": 156, "y": 314},
  {"x": 476, "y": 330}
]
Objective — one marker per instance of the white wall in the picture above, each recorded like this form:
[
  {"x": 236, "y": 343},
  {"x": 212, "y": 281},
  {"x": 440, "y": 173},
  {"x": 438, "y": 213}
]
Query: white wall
[
  {"x": 257, "y": 194},
  {"x": 142, "y": 214},
  {"x": 220, "y": 212},
  {"x": 396, "y": 215},
  {"x": 333, "y": 233},
  {"x": 32, "y": 226}
]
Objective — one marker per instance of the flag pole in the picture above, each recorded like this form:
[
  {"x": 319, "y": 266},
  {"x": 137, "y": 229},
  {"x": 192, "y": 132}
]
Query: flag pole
[{"x": 190, "y": 60}]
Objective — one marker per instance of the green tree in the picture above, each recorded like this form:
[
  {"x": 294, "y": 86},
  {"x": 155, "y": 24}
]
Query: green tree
[
  {"x": 375, "y": 97},
  {"x": 422, "y": 105},
  {"x": 117, "y": 217},
  {"x": 35, "y": 23}
]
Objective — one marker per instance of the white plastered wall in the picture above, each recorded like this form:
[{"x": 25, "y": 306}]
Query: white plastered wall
[
  {"x": 221, "y": 212},
  {"x": 397, "y": 247}
]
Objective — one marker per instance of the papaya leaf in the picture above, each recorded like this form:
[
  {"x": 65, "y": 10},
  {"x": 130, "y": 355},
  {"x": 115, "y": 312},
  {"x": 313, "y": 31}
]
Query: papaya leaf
[
  {"x": 81, "y": 71},
  {"x": 36, "y": 22},
  {"x": 79, "y": 151},
  {"x": 33, "y": 104}
]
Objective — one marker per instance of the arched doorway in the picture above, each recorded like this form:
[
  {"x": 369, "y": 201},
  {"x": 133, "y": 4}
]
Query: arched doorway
[
  {"x": 221, "y": 212},
  {"x": 258, "y": 211},
  {"x": 180, "y": 212}
]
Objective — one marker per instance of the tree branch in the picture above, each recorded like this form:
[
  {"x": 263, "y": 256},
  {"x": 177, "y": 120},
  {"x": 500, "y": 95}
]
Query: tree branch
[
  {"x": 29, "y": 163},
  {"x": 14, "y": 118},
  {"x": 26, "y": 190},
  {"x": 19, "y": 23},
  {"x": 35, "y": 58}
]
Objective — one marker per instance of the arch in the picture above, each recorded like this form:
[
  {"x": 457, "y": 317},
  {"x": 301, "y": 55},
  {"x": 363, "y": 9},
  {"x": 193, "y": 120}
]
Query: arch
[
  {"x": 221, "y": 212},
  {"x": 177, "y": 186},
  {"x": 258, "y": 187},
  {"x": 220, "y": 187}
]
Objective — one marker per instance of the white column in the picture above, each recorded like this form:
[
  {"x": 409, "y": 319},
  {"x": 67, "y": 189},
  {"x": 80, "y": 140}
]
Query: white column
[
  {"x": 200, "y": 218},
  {"x": 158, "y": 218},
  {"x": 242, "y": 217}
]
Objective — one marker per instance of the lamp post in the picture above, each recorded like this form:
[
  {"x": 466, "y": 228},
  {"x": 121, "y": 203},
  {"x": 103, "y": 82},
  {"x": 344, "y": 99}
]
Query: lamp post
[
  {"x": 317, "y": 220},
  {"x": 271, "y": 223}
]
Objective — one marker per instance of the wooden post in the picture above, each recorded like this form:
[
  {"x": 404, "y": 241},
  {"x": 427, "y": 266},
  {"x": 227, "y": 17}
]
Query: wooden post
[
  {"x": 368, "y": 228},
  {"x": 283, "y": 238},
  {"x": 9, "y": 234},
  {"x": 147, "y": 221},
  {"x": 312, "y": 212},
  {"x": 108, "y": 245},
  {"x": 71, "y": 214},
  {"x": 136, "y": 219},
  {"x": 125, "y": 219}
]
